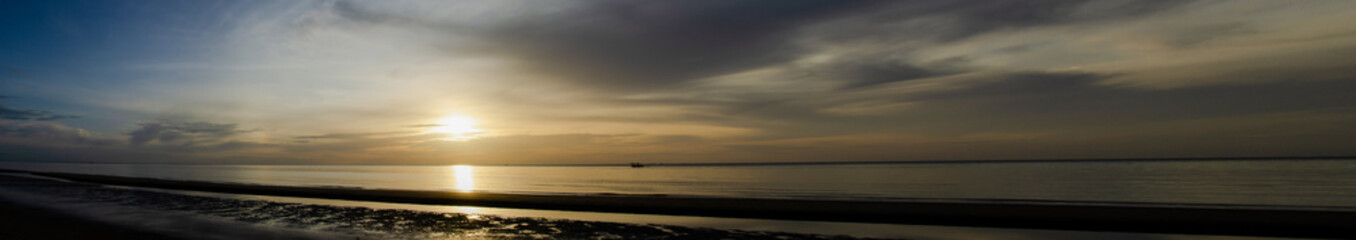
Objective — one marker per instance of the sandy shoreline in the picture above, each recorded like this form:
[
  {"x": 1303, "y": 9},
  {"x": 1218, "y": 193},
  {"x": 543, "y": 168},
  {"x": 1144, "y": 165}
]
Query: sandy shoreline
[
  {"x": 1253, "y": 222},
  {"x": 18, "y": 221},
  {"x": 218, "y": 216}
]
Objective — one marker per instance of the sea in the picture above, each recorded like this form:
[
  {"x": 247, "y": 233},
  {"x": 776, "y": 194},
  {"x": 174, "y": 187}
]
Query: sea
[{"x": 1268, "y": 183}]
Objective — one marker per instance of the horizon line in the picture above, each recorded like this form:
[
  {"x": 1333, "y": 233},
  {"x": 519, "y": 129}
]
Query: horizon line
[{"x": 699, "y": 164}]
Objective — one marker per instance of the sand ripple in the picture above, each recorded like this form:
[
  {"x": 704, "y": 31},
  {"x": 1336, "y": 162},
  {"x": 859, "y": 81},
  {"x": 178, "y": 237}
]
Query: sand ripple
[{"x": 377, "y": 223}]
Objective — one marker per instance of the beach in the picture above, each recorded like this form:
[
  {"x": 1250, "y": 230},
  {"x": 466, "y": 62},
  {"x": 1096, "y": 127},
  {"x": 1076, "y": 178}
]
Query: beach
[
  {"x": 1218, "y": 219},
  {"x": 19, "y": 221},
  {"x": 193, "y": 216}
]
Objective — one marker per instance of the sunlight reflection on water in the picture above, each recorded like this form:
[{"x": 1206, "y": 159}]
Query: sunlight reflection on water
[{"x": 464, "y": 177}]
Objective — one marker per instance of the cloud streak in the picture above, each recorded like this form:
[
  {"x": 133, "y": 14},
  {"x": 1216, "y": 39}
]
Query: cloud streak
[
  {"x": 184, "y": 133},
  {"x": 30, "y": 115}
]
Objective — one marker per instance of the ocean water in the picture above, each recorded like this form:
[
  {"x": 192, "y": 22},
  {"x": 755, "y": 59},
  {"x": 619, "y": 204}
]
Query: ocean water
[{"x": 1285, "y": 183}]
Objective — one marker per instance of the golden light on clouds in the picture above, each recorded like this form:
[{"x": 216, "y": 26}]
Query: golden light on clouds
[
  {"x": 472, "y": 82},
  {"x": 458, "y": 128}
]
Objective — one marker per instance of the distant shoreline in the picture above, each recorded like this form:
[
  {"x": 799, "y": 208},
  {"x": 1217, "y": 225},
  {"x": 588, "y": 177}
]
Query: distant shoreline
[
  {"x": 1153, "y": 219},
  {"x": 713, "y": 164},
  {"x": 811, "y": 163}
]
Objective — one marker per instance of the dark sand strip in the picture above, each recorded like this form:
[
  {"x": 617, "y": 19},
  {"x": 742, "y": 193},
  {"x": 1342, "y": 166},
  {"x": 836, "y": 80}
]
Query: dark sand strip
[
  {"x": 1155, "y": 219},
  {"x": 23, "y": 222}
]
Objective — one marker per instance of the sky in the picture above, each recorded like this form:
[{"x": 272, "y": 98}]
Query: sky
[{"x": 574, "y": 82}]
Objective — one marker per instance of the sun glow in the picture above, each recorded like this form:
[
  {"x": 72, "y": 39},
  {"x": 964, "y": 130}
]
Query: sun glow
[
  {"x": 464, "y": 177},
  {"x": 458, "y": 128}
]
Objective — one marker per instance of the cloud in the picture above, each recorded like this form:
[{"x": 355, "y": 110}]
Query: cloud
[
  {"x": 353, "y": 135},
  {"x": 50, "y": 132},
  {"x": 597, "y": 81},
  {"x": 942, "y": 21},
  {"x": 980, "y": 102},
  {"x": 861, "y": 73},
  {"x": 30, "y": 115},
  {"x": 649, "y": 45},
  {"x": 645, "y": 45},
  {"x": 915, "y": 67},
  {"x": 184, "y": 133}
]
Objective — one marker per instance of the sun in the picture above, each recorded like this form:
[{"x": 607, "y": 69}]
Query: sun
[{"x": 458, "y": 128}]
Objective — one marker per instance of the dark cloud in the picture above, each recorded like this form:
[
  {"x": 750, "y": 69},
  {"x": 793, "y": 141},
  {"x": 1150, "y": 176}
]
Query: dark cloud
[
  {"x": 1081, "y": 98},
  {"x": 1007, "y": 102},
  {"x": 635, "y": 45},
  {"x": 338, "y": 143},
  {"x": 351, "y": 135},
  {"x": 652, "y": 45},
  {"x": 647, "y": 44},
  {"x": 49, "y": 132},
  {"x": 55, "y": 142},
  {"x": 866, "y": 74},
  {"x": 355, "y": 12},
  {"x": 210, "y": 147},
  {"x": 1062, "y": 101},
  {"x": 984, "y": 16},
  {"x": 186, "y": 133},
  {"x": 952, "y": 20},
  {"x": 1019, "y": 85},
  {"x": 1196, "y": 35},
  {"x": 30, "y": 115}
]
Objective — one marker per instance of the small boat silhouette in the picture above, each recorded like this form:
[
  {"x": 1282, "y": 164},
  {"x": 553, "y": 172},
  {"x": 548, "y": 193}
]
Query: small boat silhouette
[{"x": 637, "y": 165}]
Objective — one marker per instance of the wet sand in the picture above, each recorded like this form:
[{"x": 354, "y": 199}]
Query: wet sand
[
  {"x": 216, "y": 217},
  {"x": 20, "y": 222},
  {"x": 1215, "y": 220}
]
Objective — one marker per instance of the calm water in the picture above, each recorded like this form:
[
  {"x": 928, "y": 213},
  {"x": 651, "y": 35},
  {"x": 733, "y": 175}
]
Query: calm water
[{"x": 1250, "y": 182}]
